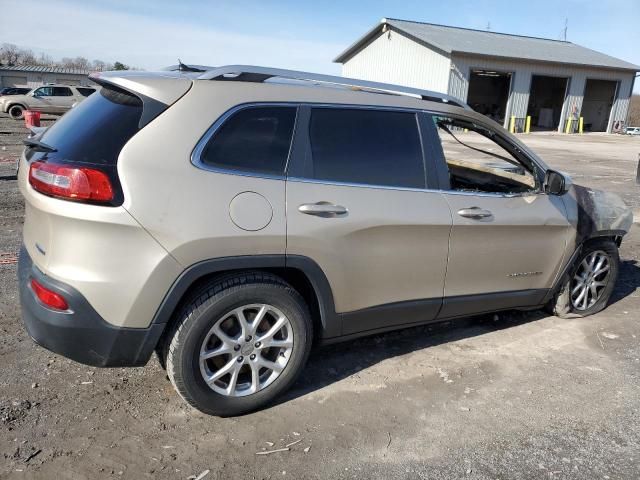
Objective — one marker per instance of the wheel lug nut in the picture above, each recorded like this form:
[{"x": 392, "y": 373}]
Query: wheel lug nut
[
  {"x": 236, "y": 348},
  {"x": 258, "y": 344},
  {"x": 240, "y": 359},
  {"x": 253, "y": 356},
  {"x": 248, "y": 338}
]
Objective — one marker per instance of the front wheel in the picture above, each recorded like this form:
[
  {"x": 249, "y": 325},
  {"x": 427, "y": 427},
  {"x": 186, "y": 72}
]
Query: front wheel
[
  {"x": 16, "y": 112},
  {"x": 590, "y": 282},
  {"x": 240, "y": 344}
]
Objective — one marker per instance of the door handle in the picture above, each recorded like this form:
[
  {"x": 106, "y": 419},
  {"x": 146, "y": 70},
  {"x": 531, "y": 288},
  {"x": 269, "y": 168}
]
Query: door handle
[
  {"x": 323, "y": 209},
  {"x": 474, "y": 212}
]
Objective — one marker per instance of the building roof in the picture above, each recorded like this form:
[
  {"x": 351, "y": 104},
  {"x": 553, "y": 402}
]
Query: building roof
[
  {"x": 43, "y": 69},
  {"x": 490, "y": 44}
]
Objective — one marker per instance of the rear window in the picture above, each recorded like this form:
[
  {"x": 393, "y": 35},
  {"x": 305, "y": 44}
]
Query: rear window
[
  {"x": 253, "y": 140},
  {"x": 95, "y": 130}
]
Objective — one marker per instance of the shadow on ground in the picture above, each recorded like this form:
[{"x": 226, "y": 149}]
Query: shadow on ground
[
  {"x": 333, "y": 363},
  {"x": 628, "y": 280}
]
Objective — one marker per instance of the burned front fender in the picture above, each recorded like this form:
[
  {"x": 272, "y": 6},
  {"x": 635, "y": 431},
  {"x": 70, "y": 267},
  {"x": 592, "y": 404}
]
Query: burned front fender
[{"x": 596, "y": 213}]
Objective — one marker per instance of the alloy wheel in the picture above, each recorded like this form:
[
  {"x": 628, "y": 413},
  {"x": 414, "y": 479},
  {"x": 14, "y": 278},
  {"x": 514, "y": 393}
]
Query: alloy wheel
[
  {"x": 590, "y": 280},
  {"x": 246, "y": 350}
]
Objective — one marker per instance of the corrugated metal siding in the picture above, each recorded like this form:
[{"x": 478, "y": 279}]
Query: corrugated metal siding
[
  {"x": 36, "y": 79},
  {"x": 521, "y": 82},
  {"x": 393, "y": 58}
]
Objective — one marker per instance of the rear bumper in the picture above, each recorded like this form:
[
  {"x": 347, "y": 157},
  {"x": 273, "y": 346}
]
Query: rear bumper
[{"x": 80, "y": 333}]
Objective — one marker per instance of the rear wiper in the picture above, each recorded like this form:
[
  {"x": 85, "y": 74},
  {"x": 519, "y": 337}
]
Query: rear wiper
[{"x": 39, "y": 146}]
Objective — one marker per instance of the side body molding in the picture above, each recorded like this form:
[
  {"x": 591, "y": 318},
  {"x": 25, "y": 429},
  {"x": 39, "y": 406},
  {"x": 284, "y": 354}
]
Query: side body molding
[{"x": 330, "y": 320}]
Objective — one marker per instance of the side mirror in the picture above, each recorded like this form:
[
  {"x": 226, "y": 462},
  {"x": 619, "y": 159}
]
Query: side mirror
[{"x": 556, "y": 183}]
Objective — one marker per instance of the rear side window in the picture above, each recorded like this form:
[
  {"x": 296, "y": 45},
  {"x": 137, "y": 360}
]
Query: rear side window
[
  {"x": 373, "y": 147},
  {"x": 85, "y": 92},
  {"x": 95, "y": 130},
  {"x": 62, "y": 92},
  {"x": 253, "y": 140}
]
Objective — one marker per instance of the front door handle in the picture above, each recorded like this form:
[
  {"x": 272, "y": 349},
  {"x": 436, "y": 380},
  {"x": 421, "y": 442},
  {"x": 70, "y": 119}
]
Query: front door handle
[
  {"x": 474, "y": 212},
  {"x": 323, "y": 209}
]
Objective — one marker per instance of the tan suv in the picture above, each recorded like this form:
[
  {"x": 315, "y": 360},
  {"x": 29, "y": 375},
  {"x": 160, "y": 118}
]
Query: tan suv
[
  {"x": 53, "y": 99},
  {"x": 228, "y": 218}
]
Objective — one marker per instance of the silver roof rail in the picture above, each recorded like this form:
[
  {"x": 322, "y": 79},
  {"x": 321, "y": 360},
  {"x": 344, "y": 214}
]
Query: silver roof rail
[{"x": 249, "y": 73}]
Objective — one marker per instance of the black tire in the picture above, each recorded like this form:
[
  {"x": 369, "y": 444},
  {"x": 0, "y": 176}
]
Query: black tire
[
  {"x": 16, "y": 112},
  {"x": 561, "y": 304},
  {"x": 214, "y": 301}
]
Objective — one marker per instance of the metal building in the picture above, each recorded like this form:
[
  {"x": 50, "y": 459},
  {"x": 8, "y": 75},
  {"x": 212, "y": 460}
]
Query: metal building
[
  {"x": 556, "y": 84},
  {"x": 34, "y": 76}
]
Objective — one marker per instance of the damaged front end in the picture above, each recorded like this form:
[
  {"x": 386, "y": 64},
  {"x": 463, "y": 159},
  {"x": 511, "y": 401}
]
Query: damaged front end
[{"x": 597, "y": 213}]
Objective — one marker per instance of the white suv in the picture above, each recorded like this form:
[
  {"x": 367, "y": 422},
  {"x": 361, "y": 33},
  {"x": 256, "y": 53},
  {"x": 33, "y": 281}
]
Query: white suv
[{"x": 53, "y": 99}]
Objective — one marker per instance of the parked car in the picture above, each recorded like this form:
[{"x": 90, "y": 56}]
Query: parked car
[
  {"x": 229, "y": 218},
  {"x": 633, "y": 131},
  {"x": 53, "y": 99},
  {"x": 13, "y": 91}
]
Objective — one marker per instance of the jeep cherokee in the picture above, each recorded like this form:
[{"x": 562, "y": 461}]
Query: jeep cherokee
[{"x": 227, "y": 218}]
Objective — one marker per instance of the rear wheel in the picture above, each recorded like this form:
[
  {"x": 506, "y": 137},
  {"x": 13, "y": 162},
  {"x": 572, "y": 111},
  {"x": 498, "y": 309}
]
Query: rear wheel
[
  {"x": 239, "y": 345},
  {"x": 590, "y": 282},
  {"x": 16, "y": 112}
]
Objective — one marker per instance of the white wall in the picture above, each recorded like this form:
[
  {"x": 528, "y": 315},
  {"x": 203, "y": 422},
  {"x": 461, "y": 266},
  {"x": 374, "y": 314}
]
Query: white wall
[
  {"x": 394, "y": 58},
  {"x": 521, "y": 82}
]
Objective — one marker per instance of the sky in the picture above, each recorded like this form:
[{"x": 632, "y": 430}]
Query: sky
[{"x": 293, "y": 34}]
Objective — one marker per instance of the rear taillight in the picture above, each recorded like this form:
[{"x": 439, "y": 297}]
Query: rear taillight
[
  {"x": 71, "y": 182},
  {"x": 50, "y": 298}
]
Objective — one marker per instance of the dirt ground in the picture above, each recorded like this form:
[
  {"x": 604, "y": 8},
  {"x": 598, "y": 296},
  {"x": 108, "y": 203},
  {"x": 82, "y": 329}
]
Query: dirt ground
[{"x": 512, "y": 396}]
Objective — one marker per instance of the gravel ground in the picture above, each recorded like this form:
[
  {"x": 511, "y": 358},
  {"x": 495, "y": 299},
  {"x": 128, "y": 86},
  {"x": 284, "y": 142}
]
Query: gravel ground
[{"x": 512, "y": 396}]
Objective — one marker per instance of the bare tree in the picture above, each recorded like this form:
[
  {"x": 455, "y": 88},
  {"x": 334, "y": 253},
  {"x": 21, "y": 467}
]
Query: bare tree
[
  {"x": 100, "y": 66},
  {"x": 27, "y": 57},
  {"x": 12, "y": 55},
  {"x": 45, "y": 60},
  {"x": 9, "y": 54}
]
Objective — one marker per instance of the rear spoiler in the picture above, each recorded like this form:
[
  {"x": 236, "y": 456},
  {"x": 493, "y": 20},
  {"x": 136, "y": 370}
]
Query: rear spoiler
[{"x": 157, "y": 91}]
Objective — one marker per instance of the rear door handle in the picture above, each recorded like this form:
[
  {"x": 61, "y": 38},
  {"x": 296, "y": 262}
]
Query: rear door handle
[
  {"x": 323, "y": 209},
  {"x": 474, "y": 212}
]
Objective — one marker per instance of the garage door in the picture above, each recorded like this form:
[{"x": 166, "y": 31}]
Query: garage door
[{"x": 14, "y": 81}]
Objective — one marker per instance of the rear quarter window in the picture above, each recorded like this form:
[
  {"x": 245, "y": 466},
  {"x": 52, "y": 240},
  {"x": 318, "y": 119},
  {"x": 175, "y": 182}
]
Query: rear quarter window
[
  {"x": 85, "y": 92},
  {"x": 253, "y": 140}
]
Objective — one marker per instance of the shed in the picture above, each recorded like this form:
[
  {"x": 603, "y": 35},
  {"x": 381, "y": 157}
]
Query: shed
[
  {"x": 33, "y": 76},
  {"x": 506, "y": 77}
]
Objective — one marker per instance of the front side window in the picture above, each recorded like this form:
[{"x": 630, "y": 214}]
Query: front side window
[
  {"x": 479, "y": 160},
  {"x": 253, "y": 140},
  {"x": 43, "y": 92},
  {"x": 362, "y": 146}
]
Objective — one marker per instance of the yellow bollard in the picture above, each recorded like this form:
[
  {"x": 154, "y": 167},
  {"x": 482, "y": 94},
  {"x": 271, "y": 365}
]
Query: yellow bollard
[
  {"x": 567, "y": 130},
  {"x": 580, "y": 124},
  {"x": 512, "y": 126},
  {"x": 527, "y": 127}
]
